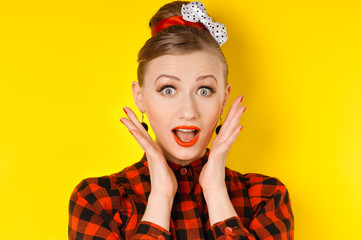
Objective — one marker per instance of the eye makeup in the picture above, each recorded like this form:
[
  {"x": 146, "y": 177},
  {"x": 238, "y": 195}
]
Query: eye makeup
[
  {"x": 210, "y": 88},
  {"x": 164, "y": 87},
  {"x": 171, "y": 86}
]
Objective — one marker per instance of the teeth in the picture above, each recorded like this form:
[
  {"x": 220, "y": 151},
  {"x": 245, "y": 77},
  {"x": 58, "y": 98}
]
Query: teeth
[{"x": 185, "y": 130}]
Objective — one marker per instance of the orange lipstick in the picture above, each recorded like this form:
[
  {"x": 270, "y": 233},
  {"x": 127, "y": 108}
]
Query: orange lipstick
[{"x": 186, "y": 144}]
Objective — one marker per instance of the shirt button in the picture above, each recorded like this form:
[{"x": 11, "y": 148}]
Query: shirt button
[
  {"x": 161, "y": 237},
  {"x": 183, "y": 171},
  {"x": 228, "y": 230}
]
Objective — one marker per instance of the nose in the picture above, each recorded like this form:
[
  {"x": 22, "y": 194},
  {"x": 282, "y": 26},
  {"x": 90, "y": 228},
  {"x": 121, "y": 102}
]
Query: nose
[{"x": 188, "y": 109}]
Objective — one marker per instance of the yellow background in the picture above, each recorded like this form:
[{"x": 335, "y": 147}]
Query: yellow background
[{"x": 66, "y": 69}]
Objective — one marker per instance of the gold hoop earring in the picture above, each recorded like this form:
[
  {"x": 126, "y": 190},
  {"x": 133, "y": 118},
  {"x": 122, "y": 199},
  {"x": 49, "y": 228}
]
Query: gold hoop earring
[{"x": 143, "y": 123}]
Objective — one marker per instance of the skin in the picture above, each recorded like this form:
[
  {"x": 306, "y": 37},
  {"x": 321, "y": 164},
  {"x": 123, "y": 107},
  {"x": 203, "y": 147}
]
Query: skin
[{"x": 187, "y": 102}]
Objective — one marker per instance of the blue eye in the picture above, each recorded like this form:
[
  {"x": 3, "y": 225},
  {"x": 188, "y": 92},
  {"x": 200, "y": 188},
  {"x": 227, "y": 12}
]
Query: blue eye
[{"x": 205, "y": 91}]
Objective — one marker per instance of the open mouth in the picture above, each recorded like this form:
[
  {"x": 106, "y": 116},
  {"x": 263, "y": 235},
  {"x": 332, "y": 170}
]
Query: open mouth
[{"x": 186, "y": 136}]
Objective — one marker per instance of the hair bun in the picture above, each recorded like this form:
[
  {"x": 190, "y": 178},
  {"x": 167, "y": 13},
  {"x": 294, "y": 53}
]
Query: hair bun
[{"x": 168, "y": 10}]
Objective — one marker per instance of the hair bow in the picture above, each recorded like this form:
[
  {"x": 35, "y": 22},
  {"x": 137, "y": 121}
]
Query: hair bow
[{"x": 196, "y": 12}]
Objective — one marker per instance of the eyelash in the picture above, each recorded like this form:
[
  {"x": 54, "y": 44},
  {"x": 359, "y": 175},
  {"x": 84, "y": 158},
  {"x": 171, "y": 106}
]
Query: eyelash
[{"x": 170, "y": 86}]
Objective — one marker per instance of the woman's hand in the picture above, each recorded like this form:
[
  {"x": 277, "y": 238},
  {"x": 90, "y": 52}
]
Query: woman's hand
[
  {"x": 212, "y": 176},
  {"x": 163, "y": 180}
]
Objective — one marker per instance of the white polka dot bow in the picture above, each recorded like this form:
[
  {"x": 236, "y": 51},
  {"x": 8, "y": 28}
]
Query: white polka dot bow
[{"x": 196, "y": 12}]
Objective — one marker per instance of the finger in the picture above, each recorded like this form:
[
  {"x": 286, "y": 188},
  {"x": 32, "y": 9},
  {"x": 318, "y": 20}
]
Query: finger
[
  {"x": 141, "y": 135},
  {"x": 132, "y": 117},
  {"x": 154, "y": 157},
  {"x": 233, "y": 136},
  {"x": 232, "y": 123},
  {"x": 236, "y": 104},
  {"x": 132, "y": 128},
  {"x": 144, "y": 140},
  {"x": 144, "y": 143}
]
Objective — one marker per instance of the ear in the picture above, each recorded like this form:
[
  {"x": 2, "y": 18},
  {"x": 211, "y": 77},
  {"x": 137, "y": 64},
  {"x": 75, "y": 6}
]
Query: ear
[
  {"x": 227, "y": 92},
  {"x": 137, "y": 95}
]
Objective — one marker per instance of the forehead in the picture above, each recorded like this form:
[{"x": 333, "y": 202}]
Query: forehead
[{"x": 185, "y": 66}]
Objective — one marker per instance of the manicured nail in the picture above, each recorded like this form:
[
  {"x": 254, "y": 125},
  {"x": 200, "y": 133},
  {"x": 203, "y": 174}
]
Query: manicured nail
[
  {"x": 121, "y": 121},
  {"x": 244, "y": 109},
  {"x": 241, "y": 128},
  {"x": 241, "y": 98},
  {"x": 125, "y": 111},
  {"x": 130, "y": 132}
]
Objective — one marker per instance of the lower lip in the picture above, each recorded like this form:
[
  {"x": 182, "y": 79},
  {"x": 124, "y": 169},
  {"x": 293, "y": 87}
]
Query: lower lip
[{"x": 186, "y": 144}]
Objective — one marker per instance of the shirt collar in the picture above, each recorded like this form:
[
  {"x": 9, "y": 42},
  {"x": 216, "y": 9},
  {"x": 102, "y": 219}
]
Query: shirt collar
[{"x": 196, "y": 165}]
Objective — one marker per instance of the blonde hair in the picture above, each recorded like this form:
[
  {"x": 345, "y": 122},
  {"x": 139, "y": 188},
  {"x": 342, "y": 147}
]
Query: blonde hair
[{"x": 176, "y": 40}]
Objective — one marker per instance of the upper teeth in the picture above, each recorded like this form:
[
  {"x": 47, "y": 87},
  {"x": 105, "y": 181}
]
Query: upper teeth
[{"x": 185, "y": 130}]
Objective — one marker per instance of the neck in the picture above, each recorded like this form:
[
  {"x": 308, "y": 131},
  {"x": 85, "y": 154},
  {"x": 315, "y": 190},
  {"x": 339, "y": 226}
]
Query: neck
[{"x": 182, "y": 162}]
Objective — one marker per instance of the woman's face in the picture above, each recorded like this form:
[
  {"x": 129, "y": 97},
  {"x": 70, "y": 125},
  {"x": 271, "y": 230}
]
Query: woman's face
[{"x": 183, "y": 91}]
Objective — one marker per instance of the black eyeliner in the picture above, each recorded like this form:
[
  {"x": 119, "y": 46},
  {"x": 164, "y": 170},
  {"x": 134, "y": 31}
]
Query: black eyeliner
[
  {"x": 165, "y": 86},
  {"x": 211, "y": 89}
]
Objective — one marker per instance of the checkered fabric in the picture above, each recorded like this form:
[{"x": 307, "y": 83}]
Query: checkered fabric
[{"x": 111, "y": 207}]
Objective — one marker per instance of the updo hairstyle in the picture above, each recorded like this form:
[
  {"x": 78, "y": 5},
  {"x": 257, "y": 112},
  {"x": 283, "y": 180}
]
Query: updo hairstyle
[{"x": 176, "y": 40}]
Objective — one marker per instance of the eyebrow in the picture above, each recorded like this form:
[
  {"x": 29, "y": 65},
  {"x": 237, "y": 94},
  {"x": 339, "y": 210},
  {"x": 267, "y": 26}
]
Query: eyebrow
[{"x": 176, "y": 78}]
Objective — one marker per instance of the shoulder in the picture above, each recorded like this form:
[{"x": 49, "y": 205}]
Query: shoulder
[
  {"x": 106, "y": 201},
  {"x": 133, "y": 174},
  {"x": 110, "y": 187},
  {"x": 258, "y": 185},
  {"x": 96, "y": 185},
  {"x": 97, "y": 193}
]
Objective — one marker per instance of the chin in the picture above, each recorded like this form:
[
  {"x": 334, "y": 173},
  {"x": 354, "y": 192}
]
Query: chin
[
  {"x": 181, "y": 153},
  {"x": 186, "y": 153}
]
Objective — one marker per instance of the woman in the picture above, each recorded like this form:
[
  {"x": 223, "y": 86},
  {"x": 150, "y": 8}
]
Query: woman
[{"x": 181, "y": 189}]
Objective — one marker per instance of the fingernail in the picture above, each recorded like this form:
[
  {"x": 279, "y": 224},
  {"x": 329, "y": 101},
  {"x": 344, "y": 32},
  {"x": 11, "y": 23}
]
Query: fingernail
[
  {"x": 130, "y": 132},
  {"x": 241, "y": 128},
  {"x": 121, "y": 121},
  {"x": 241, "y": 98},
  {"x": 244, "y": 109},
  {"x": 125, "y": 111}
]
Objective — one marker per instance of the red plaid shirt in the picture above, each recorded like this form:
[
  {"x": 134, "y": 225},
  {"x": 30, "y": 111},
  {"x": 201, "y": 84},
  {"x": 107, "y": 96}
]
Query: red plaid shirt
[{"x": 111, "y": 207}]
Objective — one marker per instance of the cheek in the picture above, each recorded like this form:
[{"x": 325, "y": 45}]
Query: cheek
[
  {"x": 158, "y": 115},
  {"x": 211, "y": 115},
  {"x": 154, "y": 116}
]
